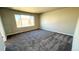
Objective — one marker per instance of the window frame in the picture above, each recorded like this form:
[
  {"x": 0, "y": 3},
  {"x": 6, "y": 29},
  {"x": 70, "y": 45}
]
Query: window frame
[{"x": 21, "y": 20}]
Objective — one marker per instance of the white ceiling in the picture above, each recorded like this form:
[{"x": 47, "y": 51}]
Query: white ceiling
[{"x": 35, "y": 9}]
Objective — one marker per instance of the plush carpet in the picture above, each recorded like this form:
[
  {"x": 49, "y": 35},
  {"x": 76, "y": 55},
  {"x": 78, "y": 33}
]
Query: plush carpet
[{"x": 39, "y": 40}]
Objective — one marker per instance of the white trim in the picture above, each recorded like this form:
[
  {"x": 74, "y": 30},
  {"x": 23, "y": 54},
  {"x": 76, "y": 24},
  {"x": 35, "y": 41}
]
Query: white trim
[{"x": 2, "y": 30}]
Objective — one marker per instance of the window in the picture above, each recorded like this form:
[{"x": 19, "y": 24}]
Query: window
[{"x": 24, "y": 20}]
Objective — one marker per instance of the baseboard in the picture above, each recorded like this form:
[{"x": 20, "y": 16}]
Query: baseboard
[{"x": 60, "y": 32}]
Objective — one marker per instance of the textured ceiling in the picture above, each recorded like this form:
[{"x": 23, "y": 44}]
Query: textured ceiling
[{"x": 35, "y": 9}]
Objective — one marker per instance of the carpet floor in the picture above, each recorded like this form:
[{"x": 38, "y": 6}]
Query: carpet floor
[{"x": 39, "y": 40}]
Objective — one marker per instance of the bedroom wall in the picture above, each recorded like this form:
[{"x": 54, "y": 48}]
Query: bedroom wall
[
  {"x": 62, "y": 20},
  {"x": 9, "y": 23}
]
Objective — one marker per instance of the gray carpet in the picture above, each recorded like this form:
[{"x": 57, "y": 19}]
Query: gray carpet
[{"x": 39, "y": 40}]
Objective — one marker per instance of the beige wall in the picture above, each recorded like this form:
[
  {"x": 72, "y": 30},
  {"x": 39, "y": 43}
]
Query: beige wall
[
  {"x": 61, "y": 20},
  {"x": 10, "y": 24}
]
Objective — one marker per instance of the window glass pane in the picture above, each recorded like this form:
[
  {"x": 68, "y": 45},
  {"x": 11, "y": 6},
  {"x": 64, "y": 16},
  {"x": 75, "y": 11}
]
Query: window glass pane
[
  {"x": 32, "y": 20},
  {"x": 18, "y": 20},
  {"x": 25, "y": 20}
]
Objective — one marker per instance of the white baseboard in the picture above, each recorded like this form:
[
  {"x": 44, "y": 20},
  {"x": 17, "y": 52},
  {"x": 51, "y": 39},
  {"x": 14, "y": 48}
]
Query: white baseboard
[{"x": 60, "y": 32}]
